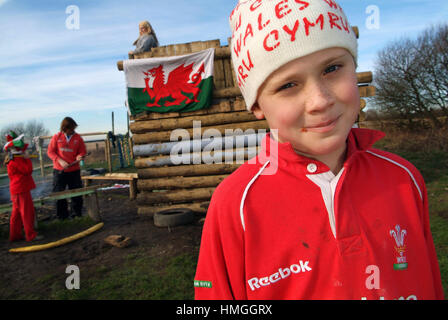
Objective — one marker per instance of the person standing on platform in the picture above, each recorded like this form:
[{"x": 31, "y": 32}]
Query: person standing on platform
[{"x": 146, "y": 40}]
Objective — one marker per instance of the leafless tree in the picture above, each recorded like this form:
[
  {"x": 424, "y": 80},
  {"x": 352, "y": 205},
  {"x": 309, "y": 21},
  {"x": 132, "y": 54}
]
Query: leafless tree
[
  {"x": 31, "y": 129},
  {"x": 411, "y": 76}
]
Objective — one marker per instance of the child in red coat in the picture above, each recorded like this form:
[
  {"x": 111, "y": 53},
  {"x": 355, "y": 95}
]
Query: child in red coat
[
  {"x": 20, "y": 168},
  {"x": 319, "y": 213}
]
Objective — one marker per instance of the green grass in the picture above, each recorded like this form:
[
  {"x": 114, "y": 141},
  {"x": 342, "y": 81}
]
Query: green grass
[
  {"x": 438, "y": 208},
  {"x": 139, "y": 277},
  {"x": 439, "y": 230},
  {"x": 57, "y": 227},
  {"x": 60, "y": 227},
  {"x": 143, "y": 275},
  {"x": 433, "y": 165}
]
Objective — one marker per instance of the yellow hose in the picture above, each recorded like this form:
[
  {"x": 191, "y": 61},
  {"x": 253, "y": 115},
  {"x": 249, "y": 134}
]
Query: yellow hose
[{"x": 59, "y": 242}]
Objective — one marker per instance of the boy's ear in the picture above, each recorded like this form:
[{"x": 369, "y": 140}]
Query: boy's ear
[{"x": 256, "y": 110}]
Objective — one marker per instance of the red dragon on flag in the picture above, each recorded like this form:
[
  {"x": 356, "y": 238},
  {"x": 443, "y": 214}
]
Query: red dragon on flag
[
  {"x": 177, "y": 85},
  {"x": 170, "y": 84}
]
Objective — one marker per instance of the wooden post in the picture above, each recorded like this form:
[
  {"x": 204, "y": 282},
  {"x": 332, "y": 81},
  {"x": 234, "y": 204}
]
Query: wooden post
[
  {"x": 41, "y": 158},
  {"x": 93, "y": 211},
  {"x": 127, "y": 121},
  {"x": 108, "y": 155},
  {"x": 133, "y": 189},
  {"x": 131, "y": 147}
]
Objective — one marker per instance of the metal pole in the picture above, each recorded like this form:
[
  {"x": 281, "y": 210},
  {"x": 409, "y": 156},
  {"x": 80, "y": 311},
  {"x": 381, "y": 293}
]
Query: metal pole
[{"x": 113, "y": 130}]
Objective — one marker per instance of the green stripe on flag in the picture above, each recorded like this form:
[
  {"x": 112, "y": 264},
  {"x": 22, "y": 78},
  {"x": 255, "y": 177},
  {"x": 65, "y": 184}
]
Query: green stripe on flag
[{"x": 137, "y": 100}]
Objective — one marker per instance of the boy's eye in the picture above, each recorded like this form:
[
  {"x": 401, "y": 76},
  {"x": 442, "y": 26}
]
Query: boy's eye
[
  {"x": 286, "y": 86},
  {"x": 332, "y": 68}
]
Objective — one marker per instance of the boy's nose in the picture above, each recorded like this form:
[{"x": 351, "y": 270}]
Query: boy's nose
[{"x": 319, "y": 97}]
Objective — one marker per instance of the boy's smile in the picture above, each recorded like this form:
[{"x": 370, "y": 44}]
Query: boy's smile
[{"x": 313, "y": 101}]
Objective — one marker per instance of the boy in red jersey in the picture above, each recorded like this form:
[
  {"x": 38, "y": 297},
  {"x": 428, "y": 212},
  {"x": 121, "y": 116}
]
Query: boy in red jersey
[
  {"x": 322, "y": 215},
  {"x": 20, "y": 171}
]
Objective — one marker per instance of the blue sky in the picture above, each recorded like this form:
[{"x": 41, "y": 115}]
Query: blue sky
[{"x": 48, "y": 71}]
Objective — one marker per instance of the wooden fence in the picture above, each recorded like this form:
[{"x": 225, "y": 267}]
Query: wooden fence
[{"x": 166, "y": 184}]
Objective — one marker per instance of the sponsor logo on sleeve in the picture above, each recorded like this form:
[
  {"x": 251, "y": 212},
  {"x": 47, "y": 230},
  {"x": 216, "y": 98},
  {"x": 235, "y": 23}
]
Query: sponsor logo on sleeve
[{"x": 202, "y": 284}]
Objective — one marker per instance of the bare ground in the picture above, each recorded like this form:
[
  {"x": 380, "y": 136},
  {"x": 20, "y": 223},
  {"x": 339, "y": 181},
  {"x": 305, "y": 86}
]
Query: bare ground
[{"x": 20, "y": 272}]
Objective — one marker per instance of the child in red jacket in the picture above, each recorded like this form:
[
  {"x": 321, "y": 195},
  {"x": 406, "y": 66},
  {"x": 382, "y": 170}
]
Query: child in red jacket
[
  {"x": 319, "y": 213},
  {"x": 20, "y": 168}
]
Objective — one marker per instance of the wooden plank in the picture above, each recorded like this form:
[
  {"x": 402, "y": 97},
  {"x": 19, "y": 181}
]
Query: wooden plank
[
  {"x": 149, "y": 211},
  {"x": 218, "y": 74},
  {"x": 228, "y": 76},
  {"x": 176, "y": 196},
  {"x": 228, "y": 156},
  {"x": 239, "y": 105},
  {"x": 227, "y": 93},
  {"x": 81, "y": 134},
  {"x": 8, "y": 206},
  {"x": 196, "y": 46},
  {"x": 165, "y": 136},
  {"x": 88, "y": 178},
  {"x": 70, "y": 193},
  {"x": 56, "y": 196},
  {"x": 187, "y": 170},
  {"x": 180, "y": 182},
  {"x": 221, "y": 106},
  {"x": 170, "y": 50},
  {"x": 364, "y": 77},
  {"x": 363, "y": 104},
  {"x": 182, "y": 48},
  {"x": 122, "y": 174},
  {"x": 187, "y": 122},
  {"x": 356, "y": 31},
  {"x": 367, "y": 91}
]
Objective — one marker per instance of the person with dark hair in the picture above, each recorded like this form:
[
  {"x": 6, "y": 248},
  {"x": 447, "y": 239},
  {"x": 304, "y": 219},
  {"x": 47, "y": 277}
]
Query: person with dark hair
[{"x": 66, "y": 150}]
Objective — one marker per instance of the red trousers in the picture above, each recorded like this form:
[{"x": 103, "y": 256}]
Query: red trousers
[{"x": 22, "y": 216}]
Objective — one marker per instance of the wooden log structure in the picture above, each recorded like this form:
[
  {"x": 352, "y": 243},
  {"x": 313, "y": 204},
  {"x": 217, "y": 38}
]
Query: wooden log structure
[{"x": 164, "y": 185}]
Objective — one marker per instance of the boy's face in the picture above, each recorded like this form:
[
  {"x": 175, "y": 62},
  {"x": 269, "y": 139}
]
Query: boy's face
[{"x": 313, "y": 101}]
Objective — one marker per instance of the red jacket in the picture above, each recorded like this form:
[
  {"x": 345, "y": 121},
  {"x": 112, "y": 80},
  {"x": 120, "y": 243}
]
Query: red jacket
[
  {"x": 19, "y": 172},
  {"x": 68, "y": 151},
  {"x": 304, "y": 233}
]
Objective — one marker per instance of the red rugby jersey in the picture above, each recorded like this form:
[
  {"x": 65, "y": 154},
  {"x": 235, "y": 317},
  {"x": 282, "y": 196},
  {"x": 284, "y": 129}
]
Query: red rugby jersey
[
  {"x": 20, "y": 175},
  {"x": 59, "y": 147},
  {"x": 304, "y": 233}
]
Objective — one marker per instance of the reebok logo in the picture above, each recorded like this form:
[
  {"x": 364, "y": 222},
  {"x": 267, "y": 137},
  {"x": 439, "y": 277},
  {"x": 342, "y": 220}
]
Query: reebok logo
[{"x": 256, "y": 283}]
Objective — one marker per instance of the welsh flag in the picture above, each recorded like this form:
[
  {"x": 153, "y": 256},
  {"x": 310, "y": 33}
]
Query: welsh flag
[{"x": 170, "y": 84}]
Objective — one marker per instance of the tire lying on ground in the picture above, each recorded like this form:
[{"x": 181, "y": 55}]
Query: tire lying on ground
[{"x": 173, "y": 217}]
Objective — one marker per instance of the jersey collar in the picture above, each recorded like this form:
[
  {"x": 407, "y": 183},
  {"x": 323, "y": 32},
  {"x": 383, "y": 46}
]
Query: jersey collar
[{"x": 358, "y": 140}]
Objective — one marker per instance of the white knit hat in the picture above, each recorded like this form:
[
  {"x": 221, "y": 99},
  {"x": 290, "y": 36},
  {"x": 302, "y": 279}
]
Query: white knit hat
[{"x": 267, "y": 34}]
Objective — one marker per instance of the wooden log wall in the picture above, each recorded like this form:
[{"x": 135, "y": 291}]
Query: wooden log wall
[{"x": 164, "y": 185}]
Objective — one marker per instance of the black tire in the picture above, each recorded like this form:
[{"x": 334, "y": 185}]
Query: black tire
[{"x": 173, "y": 217}]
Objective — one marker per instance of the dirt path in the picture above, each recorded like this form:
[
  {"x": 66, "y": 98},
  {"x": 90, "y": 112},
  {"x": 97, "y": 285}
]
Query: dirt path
[{"x": 31, "y": 274}]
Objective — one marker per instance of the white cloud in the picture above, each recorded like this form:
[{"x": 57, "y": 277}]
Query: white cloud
[{"x": 46, "y": 69}]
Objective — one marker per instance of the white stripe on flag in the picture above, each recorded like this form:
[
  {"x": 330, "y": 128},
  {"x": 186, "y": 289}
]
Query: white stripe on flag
[{"x": 134, "y": 68}]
